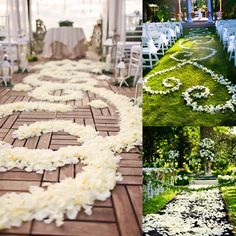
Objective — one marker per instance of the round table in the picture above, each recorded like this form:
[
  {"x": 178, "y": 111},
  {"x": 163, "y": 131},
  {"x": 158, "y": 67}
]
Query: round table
[{"x": 64, "y": 42}]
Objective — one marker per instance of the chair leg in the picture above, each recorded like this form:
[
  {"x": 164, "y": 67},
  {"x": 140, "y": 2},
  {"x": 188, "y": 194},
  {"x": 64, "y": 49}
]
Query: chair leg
[
  {"x": 234, "y": 60},
  {"x": 150, "y": 60},
  {"x": 5, "y": 81},
  {"x": 230, "y": 55}
]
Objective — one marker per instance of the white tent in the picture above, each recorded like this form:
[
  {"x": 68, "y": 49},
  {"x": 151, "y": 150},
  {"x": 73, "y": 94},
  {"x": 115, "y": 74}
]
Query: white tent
[
  {"x": 19, "y": 21},
  {"x": 114, "y": 19}
]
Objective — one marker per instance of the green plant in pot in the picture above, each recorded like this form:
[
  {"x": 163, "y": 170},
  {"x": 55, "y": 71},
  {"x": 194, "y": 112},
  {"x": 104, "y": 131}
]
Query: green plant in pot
[{"x": 66, "y": 23}]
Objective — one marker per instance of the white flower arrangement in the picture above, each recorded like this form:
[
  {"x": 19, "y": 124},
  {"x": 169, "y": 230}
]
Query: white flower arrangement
[
  {"x": 98, "y": 104},
  {"x": 207, "y": 143},
  {"x": 97, "y": 154},
  {"x": 173, "y": 154},
  {"x": 21, "y": 87},
  {"x": 193, "y": 213},
  {"x": 207, "y": 149},
  {"x": 168, "y": 83}
]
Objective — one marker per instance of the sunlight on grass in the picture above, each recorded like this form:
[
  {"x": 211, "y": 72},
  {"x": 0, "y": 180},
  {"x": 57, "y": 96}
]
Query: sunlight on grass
[
  {"x": 229, "y": 195},
  {"x": 158, "y": 202}
]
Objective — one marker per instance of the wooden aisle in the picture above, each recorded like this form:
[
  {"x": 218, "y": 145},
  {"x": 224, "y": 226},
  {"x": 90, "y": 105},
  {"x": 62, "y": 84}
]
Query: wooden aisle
[{"x": 121, "y": 214}]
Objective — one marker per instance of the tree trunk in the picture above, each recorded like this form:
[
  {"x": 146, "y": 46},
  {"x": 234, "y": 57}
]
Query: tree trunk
[
  {"x": 206, "y": 132},
  {"x": 181, "y": 145}
]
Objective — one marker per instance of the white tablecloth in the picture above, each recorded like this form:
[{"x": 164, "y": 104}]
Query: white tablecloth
[{"x": 64, "y": 42}]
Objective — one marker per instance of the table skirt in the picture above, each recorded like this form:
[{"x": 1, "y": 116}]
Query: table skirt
[{"x": 58, "y": 50}]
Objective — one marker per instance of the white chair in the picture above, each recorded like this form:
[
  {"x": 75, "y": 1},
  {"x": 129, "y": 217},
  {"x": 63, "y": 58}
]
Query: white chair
[
  {"x": 5, "y": 50},
  {"x": 135, "y": 66},
  {"x": 232, "y": 50},
  {"x": 151, "y": 52}
]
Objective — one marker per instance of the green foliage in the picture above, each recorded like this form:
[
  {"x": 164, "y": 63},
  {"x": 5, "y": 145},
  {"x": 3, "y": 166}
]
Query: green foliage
[
  {"x": 229, "y": 195},
  {"x": 162, "y": 15},
  {"x": 227, "y": 180},
  {"x": 221, "y": 163},
  {"x": 182, "y": 178},
  {"x": 65, "y": 23},
  {"x": 32, "y": 58},
  {"x": 158, "y": 202},
  {"x": 230, "y": 9},
  {"x": 158, "y": 141}
]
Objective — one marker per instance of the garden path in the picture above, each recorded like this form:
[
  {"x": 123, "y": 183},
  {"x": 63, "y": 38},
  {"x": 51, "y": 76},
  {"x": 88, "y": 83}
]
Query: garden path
[{"x": 190, "y": 213}]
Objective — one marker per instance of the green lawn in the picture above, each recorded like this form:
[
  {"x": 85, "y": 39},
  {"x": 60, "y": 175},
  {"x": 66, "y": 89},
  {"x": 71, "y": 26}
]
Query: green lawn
[
  {"x": 158, "y": 202},
  {"x": 229, "y": 195},
  {"x": 170, "y": 110}
]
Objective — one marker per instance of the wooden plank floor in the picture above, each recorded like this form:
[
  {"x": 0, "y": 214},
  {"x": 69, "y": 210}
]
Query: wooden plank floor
[{"x": 119, "y": 215}]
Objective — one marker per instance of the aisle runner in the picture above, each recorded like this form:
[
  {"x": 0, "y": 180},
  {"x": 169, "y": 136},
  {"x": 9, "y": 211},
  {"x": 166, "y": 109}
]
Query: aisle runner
[
  {"x": 99, "y": 155},
  {"x": 195, "y": 213}
]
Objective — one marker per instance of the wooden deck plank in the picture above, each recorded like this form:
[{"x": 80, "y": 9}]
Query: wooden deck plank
[
  {"x": 76, "y": 228},
  {"x": 17, "y": 185},
  {"x": 13, "y": 175},
  {"x": 124, "y": 212},
  {"x": 135, "y": 193},
  {"x": 108, "y": 216},
  {"x": 44, "y": 141}
]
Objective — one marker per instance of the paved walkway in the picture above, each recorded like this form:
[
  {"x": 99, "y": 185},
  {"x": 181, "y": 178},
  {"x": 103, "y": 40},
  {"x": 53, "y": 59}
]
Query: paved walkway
[{"x": 121, "y": 214}]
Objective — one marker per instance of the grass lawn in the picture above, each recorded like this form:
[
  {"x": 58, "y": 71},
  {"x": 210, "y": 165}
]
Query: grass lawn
[
  {"x": 229, "y": 195},
  {"x": 170, "y": 109},
  {"x": 158, "y": 202}
]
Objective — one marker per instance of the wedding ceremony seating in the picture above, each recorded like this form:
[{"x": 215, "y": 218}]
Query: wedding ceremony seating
[
  {"x": 226, "y": 30},
  {"x": 158, "y": 38}
]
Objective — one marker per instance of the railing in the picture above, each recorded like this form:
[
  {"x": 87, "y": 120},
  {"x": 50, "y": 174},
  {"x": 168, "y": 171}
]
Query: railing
[{"x": 158, "y": 180}]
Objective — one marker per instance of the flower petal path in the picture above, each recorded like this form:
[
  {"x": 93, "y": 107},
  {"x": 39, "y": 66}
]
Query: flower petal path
[
  {"x": 194, "y": 213},
  {"x": 106, "y": 122}
]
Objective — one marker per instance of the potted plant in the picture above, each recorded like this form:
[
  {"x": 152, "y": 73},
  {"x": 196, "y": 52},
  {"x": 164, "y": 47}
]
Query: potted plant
[{"x": 67, "y": 23}]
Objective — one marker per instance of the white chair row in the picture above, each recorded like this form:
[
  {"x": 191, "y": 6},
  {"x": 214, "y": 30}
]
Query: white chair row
[
  {"x": 157, "y": 38},
  {"x": 226, "y": 30}
]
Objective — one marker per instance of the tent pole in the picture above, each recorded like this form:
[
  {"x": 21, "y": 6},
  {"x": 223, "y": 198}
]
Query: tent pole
[{"x": 30, "y": 25}]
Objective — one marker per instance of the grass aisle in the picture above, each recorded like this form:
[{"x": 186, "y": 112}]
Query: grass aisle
[
  {"x": 171, "y": 109},
  {"x": 229, "y": 195},
  {"x": 190, "y": 213}
]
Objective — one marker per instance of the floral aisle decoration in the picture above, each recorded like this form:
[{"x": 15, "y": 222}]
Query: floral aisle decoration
[
  {"x": 45, "y": 93},
  {"x": 190, "y": 213},
  {"x": 98, "y": 104},
  {"x": 43, "y": 127},
  {"x": 9, "y": 109},
  {"x": 195, "y": 40},
  {"x": 172, "y": 84},
  {"x": 207, "y": 149},
  {"x": 99, "y": 155},
  {"x": 228, "y": 105},
  {"x": 190, "y": 95},
  {"x": 21, "y": 87}
]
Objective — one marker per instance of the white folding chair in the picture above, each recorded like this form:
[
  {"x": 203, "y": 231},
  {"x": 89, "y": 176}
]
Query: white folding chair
[{"x": 149, "y": 50}]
